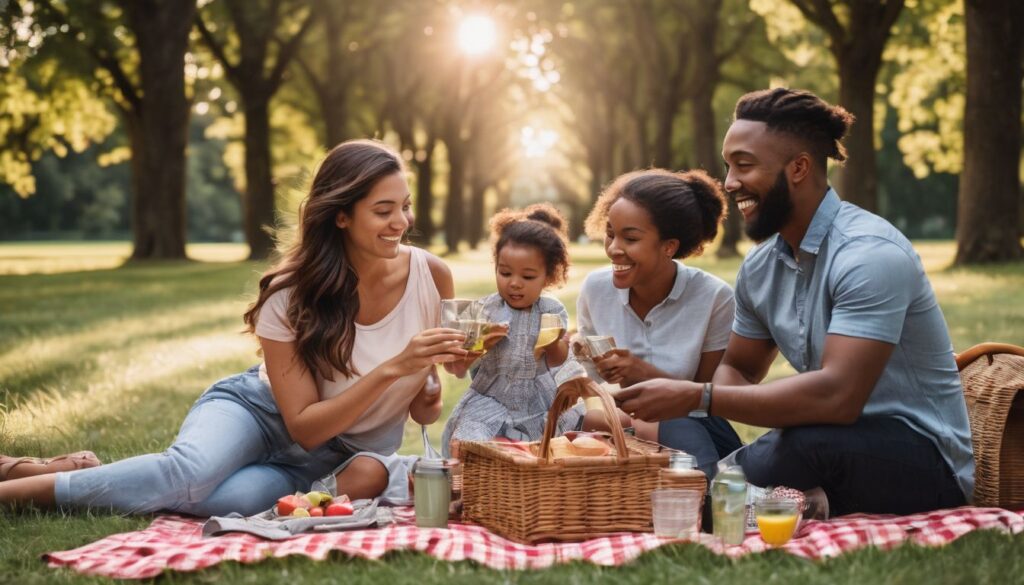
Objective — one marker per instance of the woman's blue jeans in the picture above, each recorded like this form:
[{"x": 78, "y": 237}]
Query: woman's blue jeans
[{"x": 232, "y": 454}]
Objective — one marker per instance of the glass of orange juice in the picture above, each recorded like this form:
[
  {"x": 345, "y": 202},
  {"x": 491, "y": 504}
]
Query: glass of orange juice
[{"x": 777, "y": 519}]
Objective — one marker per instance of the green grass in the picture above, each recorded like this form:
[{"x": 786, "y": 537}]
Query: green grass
[{"x": 108, "y": 357}]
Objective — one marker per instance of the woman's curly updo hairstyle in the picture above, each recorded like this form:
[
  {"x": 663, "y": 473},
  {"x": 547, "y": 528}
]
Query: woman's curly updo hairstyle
[{"x": 688, "y": 207}]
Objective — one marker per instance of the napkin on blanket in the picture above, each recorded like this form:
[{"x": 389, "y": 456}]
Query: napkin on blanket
[{"x": 271, "y": 526}]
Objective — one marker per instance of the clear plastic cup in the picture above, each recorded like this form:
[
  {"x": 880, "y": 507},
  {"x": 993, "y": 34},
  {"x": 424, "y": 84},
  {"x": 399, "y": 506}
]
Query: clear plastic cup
[
  {"x": 676, "y": 512},
  {"x": 777, "y": 519}
]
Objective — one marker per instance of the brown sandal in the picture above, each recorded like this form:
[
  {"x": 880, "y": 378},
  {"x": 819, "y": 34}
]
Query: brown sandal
[{"x": 68, "y": 462}]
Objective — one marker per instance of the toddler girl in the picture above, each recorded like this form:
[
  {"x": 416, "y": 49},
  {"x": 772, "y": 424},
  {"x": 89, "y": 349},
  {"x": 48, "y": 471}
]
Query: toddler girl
[{"x": 513, "y": 383}]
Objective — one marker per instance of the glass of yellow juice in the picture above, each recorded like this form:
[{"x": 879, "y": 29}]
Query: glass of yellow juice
[
  {"x": 777, "y": 519},
  {"x": 462, "y": 314},
  {"x": 551, "y": 330}
]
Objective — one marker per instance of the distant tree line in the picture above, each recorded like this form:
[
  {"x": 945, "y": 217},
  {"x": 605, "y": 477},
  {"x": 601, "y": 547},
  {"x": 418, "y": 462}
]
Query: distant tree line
[{"x": 208, "y": 114}]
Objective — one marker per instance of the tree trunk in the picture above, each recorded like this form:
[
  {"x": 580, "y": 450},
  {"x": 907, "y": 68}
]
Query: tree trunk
[
  {"x": 642, "y": 154},
  {"x": 335, "y": 111},
  {"x": 158, "y": 128},
  {"x": 705, "y": 149},
  {"x": 857, "y": 180},
  {"x": 425, "y": 195},
  {"x": 607, "y": 146},
  {"x": 988, "y": 209},
  {"x": 453, "y": 216},
  {"x": 259, "y": 183},
  {"x": 595, "y": 160},
  {"x": 256, "y": 27},
  {"x": 475, "y": 224},
  {"x": 335, "y": 108},
  {"x": 664, "y": 122},
  {"x": 857, "y": 48}
]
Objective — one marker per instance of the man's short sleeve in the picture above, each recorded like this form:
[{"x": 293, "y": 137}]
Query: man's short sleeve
[
  {"x": 272, "y": 322},
  {"x": 746, "y": 321},
  {"x": 720, "y": 322},
  {"x": 872, "y": 283}
]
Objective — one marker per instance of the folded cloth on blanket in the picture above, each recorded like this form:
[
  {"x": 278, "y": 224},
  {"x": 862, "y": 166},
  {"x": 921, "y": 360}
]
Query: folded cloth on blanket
[
  {"x": 174, "y": 543},
  {"x": 269, "y": 525}
]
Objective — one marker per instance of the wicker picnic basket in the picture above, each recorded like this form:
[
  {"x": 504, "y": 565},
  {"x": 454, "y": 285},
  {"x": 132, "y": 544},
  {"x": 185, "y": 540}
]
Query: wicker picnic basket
[
  {"x": 532, "y": 499},
  {"x": 993, "y": 381}
]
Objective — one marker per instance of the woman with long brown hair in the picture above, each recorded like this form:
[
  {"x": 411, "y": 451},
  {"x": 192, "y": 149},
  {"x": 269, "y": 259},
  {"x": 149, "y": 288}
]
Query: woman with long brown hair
[{"x": 347, "y": 324}]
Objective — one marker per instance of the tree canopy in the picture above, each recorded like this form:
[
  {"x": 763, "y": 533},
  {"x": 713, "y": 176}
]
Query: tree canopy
[{"x": 178, "y": 119}]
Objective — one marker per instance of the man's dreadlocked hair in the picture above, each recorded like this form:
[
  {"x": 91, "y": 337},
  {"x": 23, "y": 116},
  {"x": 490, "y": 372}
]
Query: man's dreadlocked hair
[{"x": 801, "y": 114}]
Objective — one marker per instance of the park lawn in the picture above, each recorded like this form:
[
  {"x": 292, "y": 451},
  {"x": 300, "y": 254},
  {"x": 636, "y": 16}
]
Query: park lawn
[{"x": 93, "y": 355}]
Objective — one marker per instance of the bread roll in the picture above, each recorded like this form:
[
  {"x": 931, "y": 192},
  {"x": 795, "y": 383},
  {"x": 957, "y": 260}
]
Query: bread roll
[
  {"x": 585, "y": 445},
  {"x": 561, "y": 447}
]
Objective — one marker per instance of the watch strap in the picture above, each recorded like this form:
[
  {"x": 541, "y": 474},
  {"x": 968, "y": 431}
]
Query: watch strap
[{"x": 705, "y": 402}]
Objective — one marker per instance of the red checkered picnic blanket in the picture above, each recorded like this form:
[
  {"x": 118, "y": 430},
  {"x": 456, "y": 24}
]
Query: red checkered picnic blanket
[{"x": 175, "y": 543}]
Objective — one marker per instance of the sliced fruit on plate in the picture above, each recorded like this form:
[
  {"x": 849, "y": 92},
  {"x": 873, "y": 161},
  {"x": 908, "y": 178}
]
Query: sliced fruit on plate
[
  {"x": 339, "y": 509},
  {"x": 288, "y": 504}
]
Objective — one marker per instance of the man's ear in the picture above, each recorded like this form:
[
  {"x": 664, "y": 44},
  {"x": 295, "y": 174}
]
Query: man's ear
[
  {"x": 341, "y": 220},
  {"x": 800, "y": 168}
]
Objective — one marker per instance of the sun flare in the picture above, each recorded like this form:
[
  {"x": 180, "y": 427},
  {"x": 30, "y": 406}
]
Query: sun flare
[
  {"x": 537, "y": 142},
  {"x": 477, "y": 34}
]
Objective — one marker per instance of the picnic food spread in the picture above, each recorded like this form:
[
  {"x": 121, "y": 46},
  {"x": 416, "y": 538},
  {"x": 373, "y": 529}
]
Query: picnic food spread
[
  {"x": 534, "y": 493},
  {"x": 313, "y": 504},
  {"x": 572, "y": 444}
]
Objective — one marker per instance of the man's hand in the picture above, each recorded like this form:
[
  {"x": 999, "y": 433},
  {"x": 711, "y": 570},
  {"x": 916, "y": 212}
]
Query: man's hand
[
  {"x": 659, "y": 399},
  {"x": 620, "y": 366}
]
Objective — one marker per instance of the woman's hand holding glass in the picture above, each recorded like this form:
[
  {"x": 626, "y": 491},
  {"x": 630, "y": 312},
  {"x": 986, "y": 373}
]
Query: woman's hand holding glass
[
  {"x": 434, "y": 346},
  {"x": 620, "y": 366}
]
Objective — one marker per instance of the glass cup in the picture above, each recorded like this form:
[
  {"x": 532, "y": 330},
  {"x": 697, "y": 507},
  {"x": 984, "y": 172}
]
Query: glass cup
[
  {"x": 551, "y": 330},
  {"x": 777, "y": 519},
  {"x": 676, "y": 512},
  {"x": 600, "y": 344},
  {"x": 492, "y": 330},
  {"x": 464, "y": 315}
]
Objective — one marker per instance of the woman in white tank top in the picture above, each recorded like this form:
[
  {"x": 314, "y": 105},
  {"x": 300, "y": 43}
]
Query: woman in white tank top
[{"x": 347, "y": 323}]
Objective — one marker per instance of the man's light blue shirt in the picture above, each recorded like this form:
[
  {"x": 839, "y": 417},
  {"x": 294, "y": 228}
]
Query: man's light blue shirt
[{"x": 857, "y": 275}]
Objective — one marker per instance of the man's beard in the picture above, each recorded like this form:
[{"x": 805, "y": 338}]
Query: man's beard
[{"x": 773, "y": 211}]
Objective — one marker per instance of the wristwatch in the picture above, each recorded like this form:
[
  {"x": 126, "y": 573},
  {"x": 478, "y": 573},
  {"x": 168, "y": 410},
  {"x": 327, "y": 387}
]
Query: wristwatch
[{"x": 705, "y": 402}]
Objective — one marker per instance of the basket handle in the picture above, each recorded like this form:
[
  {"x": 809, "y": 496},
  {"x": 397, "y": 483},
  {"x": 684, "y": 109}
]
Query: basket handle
[
  {"x": 568, "y": 393},
  {"x": 969, "y": 355}
]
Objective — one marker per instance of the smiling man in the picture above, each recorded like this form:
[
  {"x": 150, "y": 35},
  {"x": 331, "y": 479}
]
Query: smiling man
[{"x": 875, "y": 415}]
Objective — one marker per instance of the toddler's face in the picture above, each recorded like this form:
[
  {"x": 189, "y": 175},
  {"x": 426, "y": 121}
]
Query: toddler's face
[{"x": 521, "y": 275}]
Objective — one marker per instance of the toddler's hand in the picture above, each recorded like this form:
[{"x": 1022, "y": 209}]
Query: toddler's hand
[
  {"x": 494, "y": 334},
  {"x": 459, "y": 367}
]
